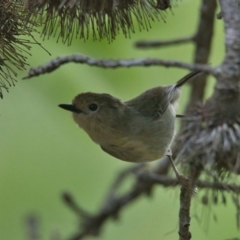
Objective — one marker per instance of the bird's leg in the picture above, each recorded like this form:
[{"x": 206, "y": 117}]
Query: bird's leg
[{"x": 181, "y": 178}]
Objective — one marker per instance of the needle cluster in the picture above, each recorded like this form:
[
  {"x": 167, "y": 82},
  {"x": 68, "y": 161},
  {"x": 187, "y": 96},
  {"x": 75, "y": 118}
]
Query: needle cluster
[
  {"x": 100, "y": 18},
  {"x": 204, "y": 142},
  {"x": 14, "y": 27}
]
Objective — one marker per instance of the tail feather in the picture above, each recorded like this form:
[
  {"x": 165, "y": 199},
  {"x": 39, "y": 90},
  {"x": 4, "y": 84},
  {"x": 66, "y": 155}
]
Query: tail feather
[{"x": 187, "y": 77}]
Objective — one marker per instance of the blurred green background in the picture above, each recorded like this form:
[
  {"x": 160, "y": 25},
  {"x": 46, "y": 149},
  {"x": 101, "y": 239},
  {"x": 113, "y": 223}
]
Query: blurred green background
[{"x": 44, "y": 153}]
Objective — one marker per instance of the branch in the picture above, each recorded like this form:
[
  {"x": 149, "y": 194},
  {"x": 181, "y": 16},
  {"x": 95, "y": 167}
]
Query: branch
[
  {"x": 91, "y": 224},
  {"x": 108, "y": 63},
  {"x": 230, "y": 69},
  {"x": 166, "y": 181},
  {"x": 203, "y": 41},
  {"x": 184, "y": 214},
  {"x": 154, "y": 44}
]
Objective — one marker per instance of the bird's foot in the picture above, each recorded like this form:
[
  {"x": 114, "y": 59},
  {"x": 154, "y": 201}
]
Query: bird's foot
[{"x": 184, "y": 181}]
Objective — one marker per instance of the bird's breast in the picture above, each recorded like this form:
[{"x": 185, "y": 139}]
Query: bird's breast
[{"x": 146, "y": 140}]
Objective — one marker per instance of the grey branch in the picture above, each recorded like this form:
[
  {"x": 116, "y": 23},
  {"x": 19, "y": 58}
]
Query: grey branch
[
  {"x": 184, "y": 213},
  {"x": 230, "y": 68},
  {"x": 202, "y": 40},
  {"x": 109, "y": 63},
  {"x": 167, "y": 181}
]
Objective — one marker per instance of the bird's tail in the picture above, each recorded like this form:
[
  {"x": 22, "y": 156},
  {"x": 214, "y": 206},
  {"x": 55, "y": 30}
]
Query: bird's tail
[{"x": 189, "y": 76}]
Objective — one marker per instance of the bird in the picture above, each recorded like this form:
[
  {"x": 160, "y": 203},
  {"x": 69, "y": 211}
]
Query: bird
[{"x": 138, "y": 130}]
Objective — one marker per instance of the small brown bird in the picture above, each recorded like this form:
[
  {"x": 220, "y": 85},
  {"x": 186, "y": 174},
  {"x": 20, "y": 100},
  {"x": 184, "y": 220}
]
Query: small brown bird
[{"x": 138, "y": 130}]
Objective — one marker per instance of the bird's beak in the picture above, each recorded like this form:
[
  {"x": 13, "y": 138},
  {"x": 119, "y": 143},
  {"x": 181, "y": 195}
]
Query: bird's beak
[{"x": 70, "y": 108}]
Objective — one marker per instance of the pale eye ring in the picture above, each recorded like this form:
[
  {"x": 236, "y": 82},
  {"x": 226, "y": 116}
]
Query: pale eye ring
[{"x": 93, "y": 107}]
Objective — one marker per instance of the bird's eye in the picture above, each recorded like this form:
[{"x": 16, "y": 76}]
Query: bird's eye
[{"x": 93, "y": 107}]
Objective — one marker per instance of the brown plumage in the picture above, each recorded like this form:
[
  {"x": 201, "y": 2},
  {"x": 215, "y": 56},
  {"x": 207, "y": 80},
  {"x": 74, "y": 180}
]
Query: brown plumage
[{"x": 138, "y": 130}]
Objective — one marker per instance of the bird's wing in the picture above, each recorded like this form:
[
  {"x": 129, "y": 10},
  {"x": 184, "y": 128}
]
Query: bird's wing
[
  {"x": 153, "y": 102},
  {"x": 166, "y": 99},
  {"x": 117, "y": 152}
]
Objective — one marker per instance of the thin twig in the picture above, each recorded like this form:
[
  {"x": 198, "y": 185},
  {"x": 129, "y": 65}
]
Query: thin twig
[
  {"x": 167, "y": 181},
  {"x": 33, "y": 227},
  {"x": 154, "y": 44},
  {"x": 108, "y": 63},
  {"x": 120, "y": 179},
  {"x": 69, "y": 200},
  {"x": 203, "y": 39},
  {"x": 92, "y": 224}
]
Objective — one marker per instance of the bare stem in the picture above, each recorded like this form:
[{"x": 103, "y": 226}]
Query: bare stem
[
  {"x": 108, "y": 63},
  {"x": 155, "y": 44},
  {"x": 184, "y": 214}
]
